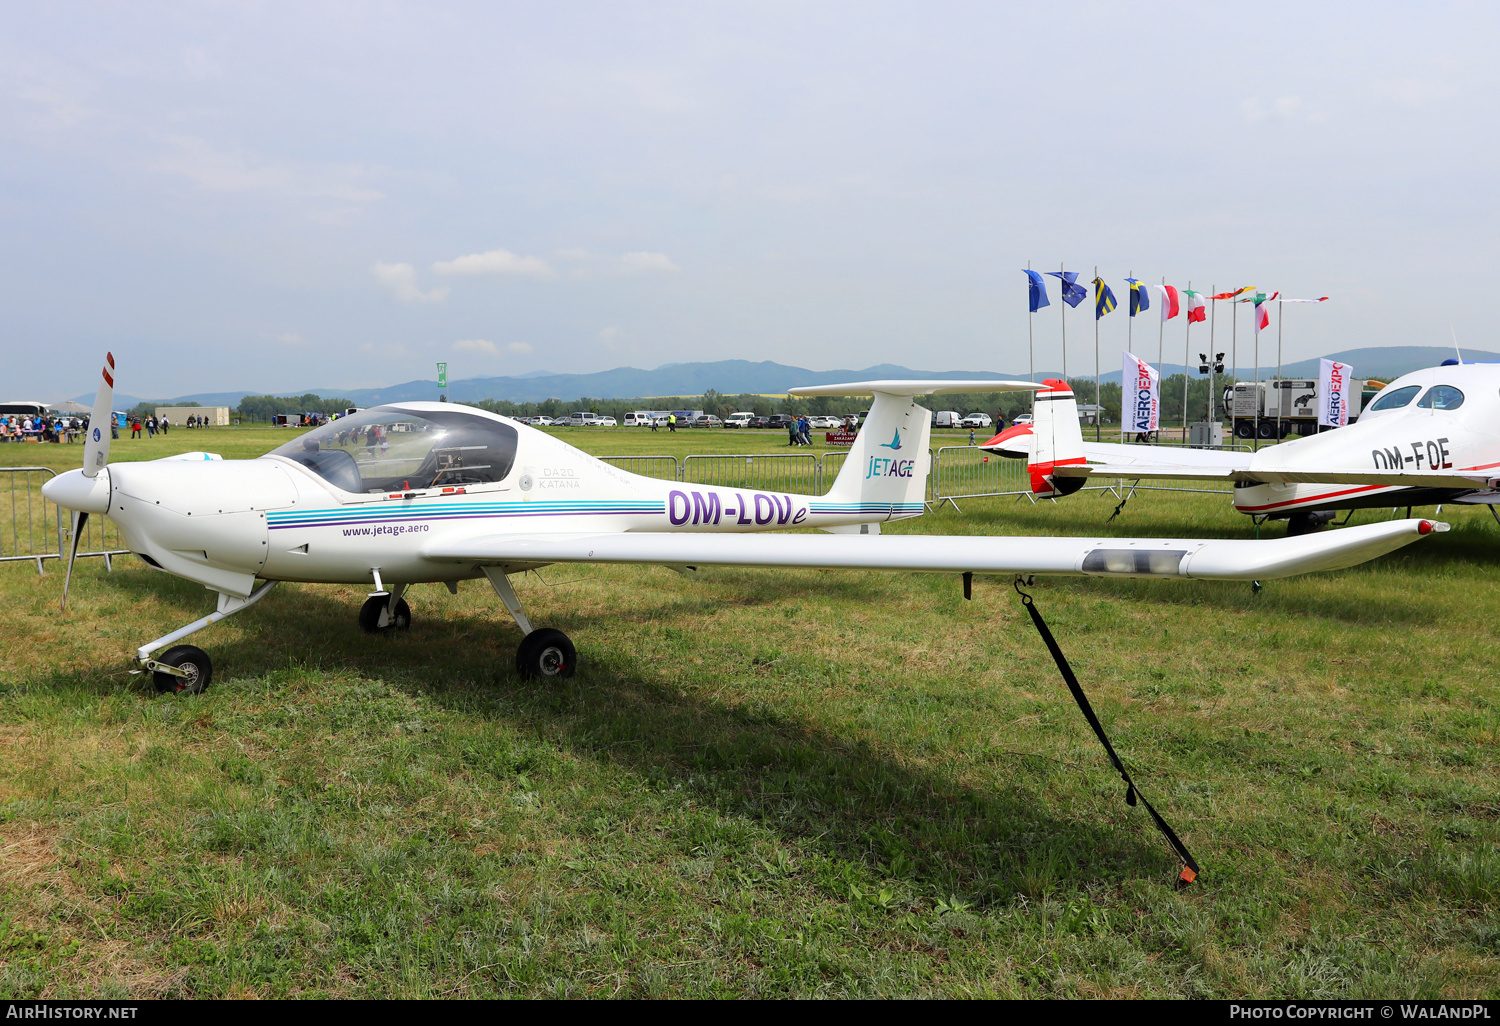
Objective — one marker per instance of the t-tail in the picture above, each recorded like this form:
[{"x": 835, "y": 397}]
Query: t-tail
[
  {"x": 885, "y": 475},
  {"x": 1057, "y": 440}
]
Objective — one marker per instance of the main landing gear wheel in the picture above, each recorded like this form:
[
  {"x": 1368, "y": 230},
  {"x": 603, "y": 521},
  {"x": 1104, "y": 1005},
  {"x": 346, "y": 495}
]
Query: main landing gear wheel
[
  {"x": 546, "y": 653},
  {"x": 1307, "y": 523},
  {"x": 374, "y": 618},
  {"x": 192, "y": 661}
]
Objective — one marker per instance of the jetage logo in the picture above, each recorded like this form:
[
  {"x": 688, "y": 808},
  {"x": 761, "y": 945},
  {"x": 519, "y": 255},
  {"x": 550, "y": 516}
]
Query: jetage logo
[{"x": 894, "y": 443}]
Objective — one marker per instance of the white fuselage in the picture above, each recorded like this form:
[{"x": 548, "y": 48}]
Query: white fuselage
[
  {"x": 226, "y": 522},
  {"x": 1410, "y": 438}
]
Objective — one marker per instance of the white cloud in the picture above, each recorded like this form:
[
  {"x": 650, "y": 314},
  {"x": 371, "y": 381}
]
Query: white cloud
[
  {"x": 401, "y": 279},
  {"x": 496, "y": 261},
  {"x": 519, "y": 347},
  {"x": 289, "y": 338},
  {"x": 476, "y": 345},
  {"x": 645, "y": 263},
  {"x": 220, "y": 171},
  {"x": 1281, "y": 109}
]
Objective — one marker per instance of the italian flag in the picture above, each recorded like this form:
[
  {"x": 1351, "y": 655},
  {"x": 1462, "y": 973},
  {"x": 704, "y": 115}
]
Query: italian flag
[
  {"x": 1196, "y": 309},
  {"x": 1262, "y": 311}
]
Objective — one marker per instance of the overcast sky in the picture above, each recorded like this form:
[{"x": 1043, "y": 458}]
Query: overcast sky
[{"x": 277, "y": 196}]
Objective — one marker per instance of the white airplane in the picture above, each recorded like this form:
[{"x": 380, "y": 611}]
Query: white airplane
[
  {"x": 1430, "y": 437},
  {"x": 432, "y": 492}
]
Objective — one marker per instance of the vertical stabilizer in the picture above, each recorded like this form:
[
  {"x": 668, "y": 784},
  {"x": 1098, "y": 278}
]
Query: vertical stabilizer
[
  {"x": 1057, "y": 440},
  {"x": 886, "y": 472}
]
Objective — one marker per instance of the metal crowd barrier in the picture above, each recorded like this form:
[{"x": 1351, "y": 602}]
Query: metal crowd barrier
[
  {"x": 662, "y": 468},
  {"x": 789, "y": 472},
  {"x": 31, "y": 528}
]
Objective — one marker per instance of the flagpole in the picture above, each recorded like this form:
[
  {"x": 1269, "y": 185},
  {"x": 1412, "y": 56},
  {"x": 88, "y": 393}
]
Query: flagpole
[
  {"x": 1234, "y": 337},
  {"x": 1161, "y": 326},
  {"x": 1062, "y": 269},
  {"x": 1030, "y": 340},
  {"x": 1098, "y": 398},
  {"x": 1258, "y": 405},
  {"x": 1186, "y": 345},
  {"x": 1213, "y": 310}
]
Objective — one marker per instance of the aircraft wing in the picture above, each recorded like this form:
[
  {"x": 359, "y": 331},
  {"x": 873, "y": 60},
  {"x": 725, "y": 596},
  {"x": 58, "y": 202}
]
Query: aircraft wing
[
  {"x": 1217, "y": 559},
  {"x": 1275, "y": 476}
]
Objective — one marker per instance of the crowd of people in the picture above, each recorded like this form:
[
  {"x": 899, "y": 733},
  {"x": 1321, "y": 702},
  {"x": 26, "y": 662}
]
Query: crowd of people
[
  {"x": 21, "y": 428},
  {"x": 60, "y": 428}
]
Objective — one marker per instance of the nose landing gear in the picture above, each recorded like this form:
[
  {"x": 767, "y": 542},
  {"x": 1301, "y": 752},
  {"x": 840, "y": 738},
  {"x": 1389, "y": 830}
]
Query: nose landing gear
[{"x": 183, "y": 669}]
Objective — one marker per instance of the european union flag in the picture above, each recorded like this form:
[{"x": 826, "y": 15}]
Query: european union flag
[
  {"x": 1140, "y": 297},
  {"x": 1104, "y": 299},
  {"x": 1072, "y": 292},
  {"x": 1037, "y": 287}
]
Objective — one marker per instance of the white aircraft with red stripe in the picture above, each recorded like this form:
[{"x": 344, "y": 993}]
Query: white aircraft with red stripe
[
  {"x": 1429, "y": 437},
  {"x": 412, "y": 493}
]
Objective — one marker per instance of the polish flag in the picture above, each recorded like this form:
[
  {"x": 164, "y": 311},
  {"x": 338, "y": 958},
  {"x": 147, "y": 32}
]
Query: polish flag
[
  {"x": 1171, "y": 302},
  {"x": 1197, "y": 312}
]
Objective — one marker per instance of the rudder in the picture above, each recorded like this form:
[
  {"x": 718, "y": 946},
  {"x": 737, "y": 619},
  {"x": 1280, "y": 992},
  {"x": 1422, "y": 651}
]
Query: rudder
[{"x": 1057, "y": 440}]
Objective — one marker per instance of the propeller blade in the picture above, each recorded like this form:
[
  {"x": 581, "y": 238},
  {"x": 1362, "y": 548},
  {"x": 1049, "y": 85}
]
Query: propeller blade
[
  {"x": 96, "y": 446},
  {"x": 79, "y": 520}
]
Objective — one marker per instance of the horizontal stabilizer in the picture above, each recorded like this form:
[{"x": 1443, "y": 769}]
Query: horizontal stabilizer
[
  {"x": 900, "y": 387},
  {"x": 1218, "y": 559}
]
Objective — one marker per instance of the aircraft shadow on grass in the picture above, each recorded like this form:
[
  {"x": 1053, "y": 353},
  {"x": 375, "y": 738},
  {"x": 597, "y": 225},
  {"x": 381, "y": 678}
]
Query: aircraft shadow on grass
[{"x": 834, "y": 793}]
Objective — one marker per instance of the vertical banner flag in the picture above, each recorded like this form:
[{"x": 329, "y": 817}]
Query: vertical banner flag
[
  {"x": 1104, "y": 299},
  {"x": 1197, "y": 310},
  {"x": 1036, "y": 287},
  {"x": 1140, "y": 297},
  {"x": 1072, "y": 292},
  {"x": 1142, "y": 398},
  {"x": 1171, "y": 302},
  {"x": 1333, "y": 392},
  {"x": 442, "y": 375}
]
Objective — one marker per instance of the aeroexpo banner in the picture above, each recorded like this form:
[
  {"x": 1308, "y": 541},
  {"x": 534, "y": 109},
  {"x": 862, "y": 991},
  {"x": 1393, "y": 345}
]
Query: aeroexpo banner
[
  {"x": 1333, "y": 392},
  {"x": 1141, "y": 401}
]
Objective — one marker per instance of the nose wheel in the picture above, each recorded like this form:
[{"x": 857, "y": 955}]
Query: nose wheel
[
  {"x": 547, "y": 654},
  {"x": 379, "y": 615}
]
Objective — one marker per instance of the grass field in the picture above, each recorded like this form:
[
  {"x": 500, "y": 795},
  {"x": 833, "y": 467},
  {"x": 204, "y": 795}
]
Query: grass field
[{"x": 761, "y": 783}]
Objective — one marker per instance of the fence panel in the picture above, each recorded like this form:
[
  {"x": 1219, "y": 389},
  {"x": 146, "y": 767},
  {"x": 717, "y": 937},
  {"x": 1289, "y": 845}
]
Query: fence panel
[
  {"x": 662, "y": 468},
  {"x": 789, "y": 472},
  {"x": 33, "y": 529},
  {"x": 965, "y": 471}
]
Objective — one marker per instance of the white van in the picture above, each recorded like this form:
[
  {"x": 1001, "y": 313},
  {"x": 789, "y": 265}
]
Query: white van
[
  {"x": 580, "y": 419},
  {"x": 738, "y": 420},
  {"x": 639, "y": 418},
  {"x": 945, "y": 419}
]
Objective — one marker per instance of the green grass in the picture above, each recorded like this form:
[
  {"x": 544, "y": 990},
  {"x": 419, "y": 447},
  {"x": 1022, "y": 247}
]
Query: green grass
[{"x": 762, "y": 783}]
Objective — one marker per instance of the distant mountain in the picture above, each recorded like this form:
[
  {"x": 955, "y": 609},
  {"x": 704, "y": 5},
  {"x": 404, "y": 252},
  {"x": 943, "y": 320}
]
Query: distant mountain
[{"x": 733, "y": 377}]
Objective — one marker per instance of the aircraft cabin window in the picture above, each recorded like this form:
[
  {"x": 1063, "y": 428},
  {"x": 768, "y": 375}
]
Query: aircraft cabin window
[
  {"x": 1395, "y": 400},
  {"x": 1442, "y": 397},
  {"x": 388, "y": 450}
]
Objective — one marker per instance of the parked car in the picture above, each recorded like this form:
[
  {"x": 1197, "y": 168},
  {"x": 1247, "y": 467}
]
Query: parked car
[
  {"x": 1022, "y": 418},
  {"x": 582, "y": 418},
  {"x": 976, "y": 420},
  {"x": 823, "y": 423},
  {"x": 739, "y": 420},
  {"x": 606, "y": 422},
  {"x": 761, "y": 422},
  {"x": 779, "y": 420},
  {"x": 708, "y": 420},
  {"x": 637, "y": 419}
]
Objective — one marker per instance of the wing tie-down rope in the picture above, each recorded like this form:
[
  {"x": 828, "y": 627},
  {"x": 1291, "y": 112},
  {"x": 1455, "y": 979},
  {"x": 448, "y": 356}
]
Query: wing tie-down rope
[{"x": 1132, "y": 793}]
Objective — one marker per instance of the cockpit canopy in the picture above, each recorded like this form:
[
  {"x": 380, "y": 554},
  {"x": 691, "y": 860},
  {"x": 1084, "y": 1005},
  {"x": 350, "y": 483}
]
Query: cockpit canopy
[{"x": 386, "y": 449}]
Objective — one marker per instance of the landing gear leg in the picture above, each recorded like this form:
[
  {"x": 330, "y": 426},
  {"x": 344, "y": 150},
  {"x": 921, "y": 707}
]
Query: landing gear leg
[
  {"x": 544, "y": 652},
  {"x": 184, "y": 669}
]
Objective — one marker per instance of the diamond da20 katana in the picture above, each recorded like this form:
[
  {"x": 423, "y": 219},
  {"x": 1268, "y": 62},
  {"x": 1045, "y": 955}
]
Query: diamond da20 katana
[{"x": 420, "y": 492}]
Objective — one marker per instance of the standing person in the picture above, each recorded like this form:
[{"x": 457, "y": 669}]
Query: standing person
[
  {"x": 135, "y": 428},
  {"x": 803, "y": 429},
  {"x": 165, "y": 423},
  {"x": 791, "y": 431},
  {"x": 150, "y": 425},
  {"x": 671, "y": 423},
  {"x": 971, "y": 436},
  {"x": 654, "y": 419}
]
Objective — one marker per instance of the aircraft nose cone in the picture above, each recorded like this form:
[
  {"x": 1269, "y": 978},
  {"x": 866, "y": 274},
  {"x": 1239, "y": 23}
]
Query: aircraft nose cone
[{"x": 74, "y": 491}]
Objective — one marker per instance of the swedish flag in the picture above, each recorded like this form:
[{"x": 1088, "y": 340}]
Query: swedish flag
[
  {"x": 1140, "y": 297},
  {"x": 1104, "y": 299}
]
